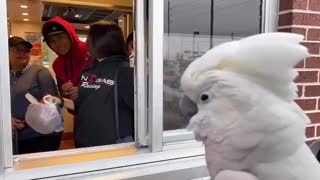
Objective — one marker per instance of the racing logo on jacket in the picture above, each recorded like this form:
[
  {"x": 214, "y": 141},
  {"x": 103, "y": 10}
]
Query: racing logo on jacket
[{"x": 93, "y": 82}]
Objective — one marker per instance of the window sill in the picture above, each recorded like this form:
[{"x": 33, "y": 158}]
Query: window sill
[
  {"x": 137, "y": 157},
  {"x": 57, "y": 158}
]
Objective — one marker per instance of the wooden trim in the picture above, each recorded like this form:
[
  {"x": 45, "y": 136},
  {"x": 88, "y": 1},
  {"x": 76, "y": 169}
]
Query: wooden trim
[
  {"x": 57, "y": 160},
  {"x": 67, "y": 136}
]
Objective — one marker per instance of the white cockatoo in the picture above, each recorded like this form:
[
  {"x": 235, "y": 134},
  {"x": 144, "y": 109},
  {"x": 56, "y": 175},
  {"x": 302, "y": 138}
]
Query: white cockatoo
[{"x": 241, "y": 98}]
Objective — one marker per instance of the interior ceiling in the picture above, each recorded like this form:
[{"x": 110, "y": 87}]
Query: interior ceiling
[
  {"x": 34, "y": 10},
  {"x": 74, "y": 11},
  {"x": 82, "y": 15},
  {"x": 119, "y": 5}
]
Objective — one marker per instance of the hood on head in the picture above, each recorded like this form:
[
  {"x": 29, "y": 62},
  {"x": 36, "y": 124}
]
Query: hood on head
[{"x": 75, "y": 41}]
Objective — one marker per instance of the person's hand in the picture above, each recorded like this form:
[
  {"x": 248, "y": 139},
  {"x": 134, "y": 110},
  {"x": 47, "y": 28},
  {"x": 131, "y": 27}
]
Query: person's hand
[
  {"x": 17, "y": 123},
  {"x": 69, "y": 91},
  {"x": 66, "y": 87},
  {"x": 48, "y": 99},
  {"x": 73, "y": 93}
]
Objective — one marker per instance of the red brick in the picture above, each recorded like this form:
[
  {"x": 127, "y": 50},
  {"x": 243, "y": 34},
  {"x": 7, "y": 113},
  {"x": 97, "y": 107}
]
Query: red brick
[
  {"x": 310, "y": 132},
  {"x": 312, "y": 91},
  {"x": 314, "y": 5},
  {"x": 299, "y": 19},
  {"x": 313, "y": 62},
  {"x": 318, "y": 131},
  {"x": 307, "y": 76},
  {"x": 306, "y": 19},
  {"x": 314, "y": 34},
  {"x": 299, "y": 93},
  {"x": 285, "y": 19},
  {"x": 301, "y": 31},
  {"x": 312, "y": 47},
  {"x": 307, "y": 104},
  {"x": 300, "y": 64},
  {"x": 292, "y": 4},
  {"x": 314, "y": 117}
]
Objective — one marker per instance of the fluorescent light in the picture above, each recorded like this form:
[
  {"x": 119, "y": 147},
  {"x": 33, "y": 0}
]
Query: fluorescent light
[
  {"x": 87, "y": 27},
  {"x": 25, "y": 14},
  {"x": 24, "y": 6},
  {"x": 26, "y": 19}
]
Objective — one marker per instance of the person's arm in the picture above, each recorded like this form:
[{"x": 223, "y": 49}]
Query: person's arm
[
  {"x": 46, "y": 83},
  {"x": 126, "y": 86},
  {"x": 48, "y": 86},
  {"x": 67, "y": 103}
]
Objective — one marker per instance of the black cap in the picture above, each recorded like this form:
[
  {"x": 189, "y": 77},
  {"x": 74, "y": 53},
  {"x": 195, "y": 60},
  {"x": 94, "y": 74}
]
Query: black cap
[
  {"x": 15, "y": 40},
  {"x": 53, "y": 29}
]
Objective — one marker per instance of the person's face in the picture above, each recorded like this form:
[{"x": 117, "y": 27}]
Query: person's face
[
  {"x": 19, "y": 55},
  {"x": 130, "y": 47},
  {"x": 60, "y": 43}
]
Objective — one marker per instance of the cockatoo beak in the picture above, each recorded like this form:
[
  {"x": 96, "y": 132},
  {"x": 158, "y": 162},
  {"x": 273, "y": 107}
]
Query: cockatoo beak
[{"x": 187, "y": 107}]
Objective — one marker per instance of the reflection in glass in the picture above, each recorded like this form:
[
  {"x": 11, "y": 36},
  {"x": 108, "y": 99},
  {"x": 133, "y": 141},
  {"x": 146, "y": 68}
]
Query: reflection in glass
[{"x": 191, "y": 27}]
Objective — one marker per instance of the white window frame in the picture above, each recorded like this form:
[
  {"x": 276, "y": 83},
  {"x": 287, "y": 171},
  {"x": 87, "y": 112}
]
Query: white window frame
[{"x": 149, "y": 120}]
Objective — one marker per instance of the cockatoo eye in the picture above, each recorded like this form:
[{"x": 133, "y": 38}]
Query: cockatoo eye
[{"x": 204, "y": 97}]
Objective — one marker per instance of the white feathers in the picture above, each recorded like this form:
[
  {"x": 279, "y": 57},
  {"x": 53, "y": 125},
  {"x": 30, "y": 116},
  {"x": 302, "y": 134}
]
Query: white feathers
[
  {"x": 263, "y": 58},
  {"x": 232, "y": 175},
  {"x": 246, "y": 116}
]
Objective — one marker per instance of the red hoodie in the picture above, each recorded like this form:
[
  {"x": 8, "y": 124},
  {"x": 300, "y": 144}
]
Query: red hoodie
[{"x": 68, "y": 67}]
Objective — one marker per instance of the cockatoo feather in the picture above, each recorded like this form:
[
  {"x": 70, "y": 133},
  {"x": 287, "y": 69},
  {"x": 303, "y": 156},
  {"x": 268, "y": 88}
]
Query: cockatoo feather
[{"x": 246, "y": 115}]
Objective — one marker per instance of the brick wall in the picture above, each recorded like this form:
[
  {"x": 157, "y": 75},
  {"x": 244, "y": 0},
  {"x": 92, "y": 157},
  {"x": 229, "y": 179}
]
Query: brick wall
[{"x": 303, "y": 17}]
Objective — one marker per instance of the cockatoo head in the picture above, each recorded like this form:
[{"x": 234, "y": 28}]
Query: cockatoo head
[{"x": 231, "y": 79}]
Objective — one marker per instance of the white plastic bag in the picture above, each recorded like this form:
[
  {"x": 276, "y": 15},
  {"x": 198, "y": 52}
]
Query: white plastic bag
[{"x": 43, "y": 118}]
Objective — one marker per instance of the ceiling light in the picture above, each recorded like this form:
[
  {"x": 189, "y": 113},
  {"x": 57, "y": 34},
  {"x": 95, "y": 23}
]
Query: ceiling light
[
  {"x": 25, "y": 14},
  {"x": 24, "y": 6},
  {"x": 87, "y": 27},
  {"x": 26, "y": 19},
  {"x": 77, "y": 15}
]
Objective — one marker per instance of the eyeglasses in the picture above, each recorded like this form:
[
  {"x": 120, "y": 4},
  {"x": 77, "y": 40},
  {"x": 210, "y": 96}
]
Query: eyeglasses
[{"x": 22, "y": 51}]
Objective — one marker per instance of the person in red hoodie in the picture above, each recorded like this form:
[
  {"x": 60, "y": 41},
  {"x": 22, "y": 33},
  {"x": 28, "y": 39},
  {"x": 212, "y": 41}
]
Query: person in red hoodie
[{"x": 72, "y": 58}]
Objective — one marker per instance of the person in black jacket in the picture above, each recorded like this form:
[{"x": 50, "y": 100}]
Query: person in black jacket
[{"x": 105, "y": 105}]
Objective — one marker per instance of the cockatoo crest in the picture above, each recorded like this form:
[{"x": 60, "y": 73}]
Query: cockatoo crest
[{"x": 267, "y": 59}]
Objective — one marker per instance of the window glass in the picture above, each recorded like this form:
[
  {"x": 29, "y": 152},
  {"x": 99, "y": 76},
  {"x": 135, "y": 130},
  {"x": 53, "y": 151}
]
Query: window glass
[{"x": 191, "y": 28}]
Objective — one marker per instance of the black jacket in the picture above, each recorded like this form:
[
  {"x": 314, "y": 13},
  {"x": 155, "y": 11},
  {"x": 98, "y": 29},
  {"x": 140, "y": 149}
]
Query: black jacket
[{"x": 95, "y": 113}]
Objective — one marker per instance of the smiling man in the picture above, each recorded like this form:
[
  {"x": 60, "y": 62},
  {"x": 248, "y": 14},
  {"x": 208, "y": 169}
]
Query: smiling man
[{"x": 72, "y": 58}]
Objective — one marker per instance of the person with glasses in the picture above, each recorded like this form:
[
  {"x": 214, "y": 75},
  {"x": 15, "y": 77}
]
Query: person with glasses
[{"x": 36, "y": 80}]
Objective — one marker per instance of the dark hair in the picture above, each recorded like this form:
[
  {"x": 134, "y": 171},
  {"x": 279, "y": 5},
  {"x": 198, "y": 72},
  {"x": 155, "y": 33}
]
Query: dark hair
[
  {"x": 129, "y": 38},
  {"x": 105, "y": 39}
]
